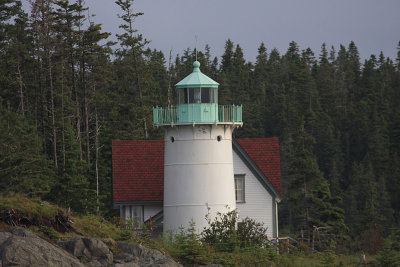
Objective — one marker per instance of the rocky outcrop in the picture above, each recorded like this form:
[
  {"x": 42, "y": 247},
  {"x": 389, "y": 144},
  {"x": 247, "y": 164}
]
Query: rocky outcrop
[
  {"x": 90, "y": 251},
  {"x": 19, "y": 247},
  {"x": 137, "y": 255}
]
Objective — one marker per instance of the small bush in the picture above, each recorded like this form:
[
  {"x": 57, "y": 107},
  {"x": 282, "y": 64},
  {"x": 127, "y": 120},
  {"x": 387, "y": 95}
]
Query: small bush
[
  {"x": 221, "y": 232},
  {"x": 187, "y": 246},
  {"x": 223, "y": 236},
  {"x": 49, "y": 232},
  {"x": 388, "y": 256},
  {"x": 251, "y": 233}
]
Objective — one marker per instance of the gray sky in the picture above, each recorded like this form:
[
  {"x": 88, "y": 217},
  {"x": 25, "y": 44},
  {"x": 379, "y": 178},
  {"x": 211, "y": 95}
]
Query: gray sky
[{"x": 372, "y": 24}]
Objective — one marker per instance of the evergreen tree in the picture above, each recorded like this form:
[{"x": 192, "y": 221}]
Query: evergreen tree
[
  {"x": 15, "y": 46},
  {"x": 133, "y": 75},
  {"x": 23, "y": 164},
  {"x": 224, "y": 79}
]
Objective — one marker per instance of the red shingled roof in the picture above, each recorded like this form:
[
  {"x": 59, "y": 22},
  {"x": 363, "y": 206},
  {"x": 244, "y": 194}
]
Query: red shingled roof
[
  {"x": 138, "y": 170},
  {"x": 265, "y": 154},
  {"x": 138, "y": 166}
]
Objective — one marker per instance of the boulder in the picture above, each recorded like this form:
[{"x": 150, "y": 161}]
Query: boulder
[
  {"x": 19, "y": 247},
  {"x": 92, "y": 252},
  {"x": 138, "y": 255}
]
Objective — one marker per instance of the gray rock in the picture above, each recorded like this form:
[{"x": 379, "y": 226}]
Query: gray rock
[
  {"x": 92, "y": 252},
  {"x": 19, "y": 247},
  {"x": 141, "y": 256}
]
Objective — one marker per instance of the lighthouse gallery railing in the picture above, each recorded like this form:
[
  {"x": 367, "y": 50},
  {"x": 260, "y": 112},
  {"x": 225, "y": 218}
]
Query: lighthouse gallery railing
[{"x": 171, "y": 115}]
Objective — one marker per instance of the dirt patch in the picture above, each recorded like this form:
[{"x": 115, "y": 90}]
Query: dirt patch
[{"x": 59, "y": 222}]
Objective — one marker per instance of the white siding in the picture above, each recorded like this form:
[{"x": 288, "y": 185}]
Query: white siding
[
  {"x": 151, "y": 210},
  {"x": 258, "y": 201}
]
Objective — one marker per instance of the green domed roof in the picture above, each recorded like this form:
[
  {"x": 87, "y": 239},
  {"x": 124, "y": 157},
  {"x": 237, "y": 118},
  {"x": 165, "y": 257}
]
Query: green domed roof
[{"x": 196, "y": 79}]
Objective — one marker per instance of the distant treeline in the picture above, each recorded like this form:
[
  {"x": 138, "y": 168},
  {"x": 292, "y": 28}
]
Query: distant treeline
[{"x": 65, "y": 93}]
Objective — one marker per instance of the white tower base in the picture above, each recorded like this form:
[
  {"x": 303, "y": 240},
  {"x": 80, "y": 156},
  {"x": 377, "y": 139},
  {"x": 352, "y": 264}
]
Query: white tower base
[{"x": 198, "y": 174}]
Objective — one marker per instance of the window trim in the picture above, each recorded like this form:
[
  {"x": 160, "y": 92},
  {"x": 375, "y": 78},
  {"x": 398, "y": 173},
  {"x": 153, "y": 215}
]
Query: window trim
[{"x": 243, "y": 178}]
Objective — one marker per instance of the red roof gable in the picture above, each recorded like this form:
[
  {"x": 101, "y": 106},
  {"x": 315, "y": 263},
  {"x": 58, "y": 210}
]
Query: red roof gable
[
  {"x": 138, "y": 166},
  {"x": 138, "y": 170},
  {"x": 264, "y": 152}
]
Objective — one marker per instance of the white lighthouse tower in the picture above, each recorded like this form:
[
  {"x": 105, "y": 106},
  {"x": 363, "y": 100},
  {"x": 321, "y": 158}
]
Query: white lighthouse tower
[{"x": 198, "y": 166}]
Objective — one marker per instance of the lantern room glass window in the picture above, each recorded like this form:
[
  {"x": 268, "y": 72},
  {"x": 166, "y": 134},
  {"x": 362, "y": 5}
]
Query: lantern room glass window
[
  {"x": 205, "y": 95},
  {"x": 209, "y": 95},
  {"x": 197, "y": 95},
  {"x": 182, "y": 96},
  {"x": 194, "y": 96},
  {"x": 214, "y": 95}
]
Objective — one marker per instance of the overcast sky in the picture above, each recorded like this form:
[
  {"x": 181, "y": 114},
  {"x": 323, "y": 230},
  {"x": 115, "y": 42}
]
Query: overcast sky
[{"x": 372, "y": 24}]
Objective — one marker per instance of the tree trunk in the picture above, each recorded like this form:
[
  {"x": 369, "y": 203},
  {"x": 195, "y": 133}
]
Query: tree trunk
[
  {"x": 96, "y": 143},
  {"x": 78, "y": 124},
  {"x": 307, "y": 213},
  {"x": 87, "y": 131},
  {"x": 21, "y": 91},
  {"x": 53, "y": 120},
  {"x": 63, "y": 117},
  {"x": 169, "y": 77}
]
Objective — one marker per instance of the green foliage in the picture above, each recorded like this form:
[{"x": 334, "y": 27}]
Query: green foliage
[
  {"x": 191, "y": 249},
  {"x": 388, "y": 256},
  {"x": 127, "y": 230},
  {"x": 187, "y": 246},
  {"x": 23, "y": 165},
  {"x": 33, "y": 206},
  {"x": 221, "y": 232},
  {"x": 49, "y": 232},
  {"x": 252, "y": 233},
  {"x": 225, "y": 234}
]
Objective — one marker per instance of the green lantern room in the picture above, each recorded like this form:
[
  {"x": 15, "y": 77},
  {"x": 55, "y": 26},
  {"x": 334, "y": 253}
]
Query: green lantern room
[{"x": 197, "y": 96}]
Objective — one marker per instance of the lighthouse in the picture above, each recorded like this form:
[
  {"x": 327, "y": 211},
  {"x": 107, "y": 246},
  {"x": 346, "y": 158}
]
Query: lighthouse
[{"x": 198, "y": 161}]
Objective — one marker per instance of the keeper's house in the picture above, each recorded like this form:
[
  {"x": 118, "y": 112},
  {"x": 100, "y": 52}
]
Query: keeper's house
[{"x": 138, "y": 179}]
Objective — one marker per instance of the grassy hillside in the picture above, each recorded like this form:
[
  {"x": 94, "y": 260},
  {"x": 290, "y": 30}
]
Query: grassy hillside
[{"x": 44, "y": 219}]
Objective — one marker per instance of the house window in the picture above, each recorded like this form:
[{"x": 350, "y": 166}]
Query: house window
[
  {"x": 134, "y": 214},
  {"x": 239, "y": 188}
]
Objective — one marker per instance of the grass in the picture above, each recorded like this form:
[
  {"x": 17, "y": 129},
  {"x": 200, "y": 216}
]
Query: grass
[{"x": 33, "y": 206}]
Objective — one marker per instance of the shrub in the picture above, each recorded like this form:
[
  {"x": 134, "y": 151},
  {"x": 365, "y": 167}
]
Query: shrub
[
  {"x": 221, "y": 232},
  {"x": 224, "y": 237},
  {"x": 252, "y": 233},
  {"x": 388, "y": 256},
  {"x": 49, "y": 232},
  {"x": 187, "y": 246}
]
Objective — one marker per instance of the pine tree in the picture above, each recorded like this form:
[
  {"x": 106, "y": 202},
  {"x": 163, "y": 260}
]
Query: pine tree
[
  {"x": 23, "y": 164},
  {"x": 15, "y": 45},
  {"x": 133, "y": 72},
  {"x": 224, "y": 78}
]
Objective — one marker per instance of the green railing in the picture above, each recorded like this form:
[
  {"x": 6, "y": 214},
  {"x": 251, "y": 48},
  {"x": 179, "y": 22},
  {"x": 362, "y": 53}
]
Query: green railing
[
  {"x": 230, "y": 113},
  {"x": 165, "y": 115},
  {"x": 197, "y": 113}
]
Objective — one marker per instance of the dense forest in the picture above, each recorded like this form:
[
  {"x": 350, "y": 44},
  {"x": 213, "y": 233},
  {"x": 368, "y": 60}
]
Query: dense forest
[{"x": 66, "y": 92}]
